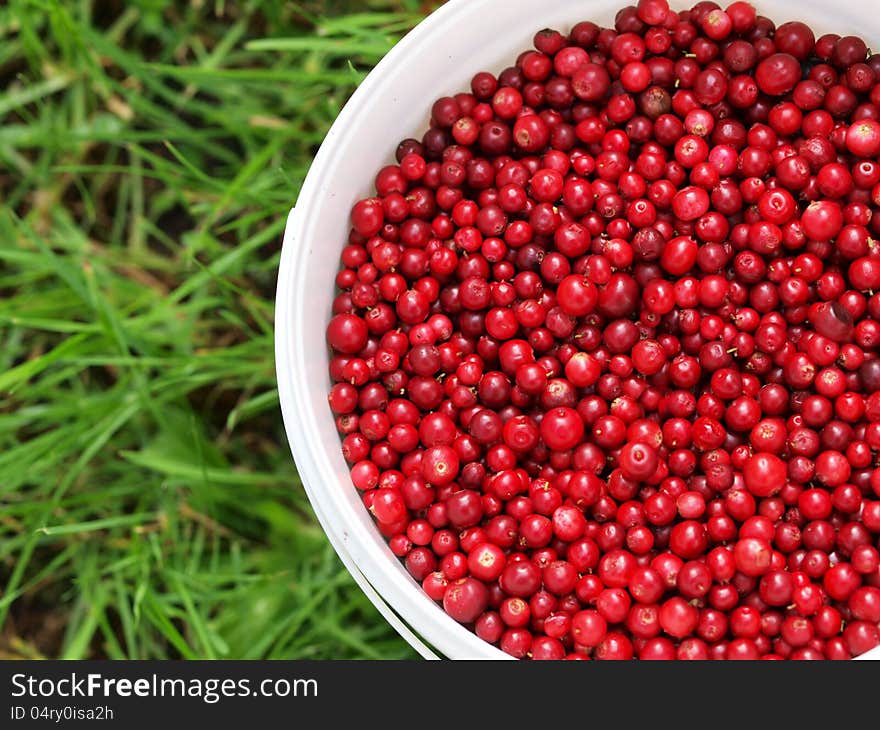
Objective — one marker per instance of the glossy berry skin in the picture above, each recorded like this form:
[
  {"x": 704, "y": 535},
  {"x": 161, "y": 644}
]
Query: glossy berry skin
[
  {"x": 688, "y": 539},
  {"x": 678, "y": 618},
  {"x": 753, "y": 556},
  {"x": 764, "y": 474},
  {"x": 562, "y": 429},
  {"x": 604, "y": 347},
  {"x": 778, "y": 74},
  {"x": 638, "y": 461},
  {"x": 588, "y": 628},
  {"x": 465, "y": 599},
  {"x": 486, "y": 562},
  {"x": 577, "y": 296},
  {"x": 863, "y": 138},
  {"x": 347, "y": 333},
  {"x": 388, "y": 506}
]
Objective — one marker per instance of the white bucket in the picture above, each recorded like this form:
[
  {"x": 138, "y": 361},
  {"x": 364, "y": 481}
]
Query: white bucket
[{"x": 437, "y": 58}]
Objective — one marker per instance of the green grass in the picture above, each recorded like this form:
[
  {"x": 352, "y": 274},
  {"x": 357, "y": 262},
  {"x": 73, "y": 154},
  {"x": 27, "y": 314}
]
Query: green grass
[{"x": 149, "y": 152}]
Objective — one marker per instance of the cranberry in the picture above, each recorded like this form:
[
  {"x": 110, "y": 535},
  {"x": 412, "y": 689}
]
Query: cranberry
[
  {"x": 615, "y": 646},
  {"x": 465, "y": 599},
  {"x": 753, "y": 556},
  {"x": 520, "y": 579},
  {"x": 688, "y": 539},
  {"x": 576, "y": 295},
  {"x": 778, "y": 74},
  {"x": 562, "y": 428},
  {"x": 764, "y": 474},
  {"x": 678, "y": 618},
  {"x": 638, "y": 461},
  {"x": 347, "y": 333},
  {"x": 588, "y": 628}
]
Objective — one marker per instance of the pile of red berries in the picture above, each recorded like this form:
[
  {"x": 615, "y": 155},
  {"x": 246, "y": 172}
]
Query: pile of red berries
[{"x": 605, "y": 349}]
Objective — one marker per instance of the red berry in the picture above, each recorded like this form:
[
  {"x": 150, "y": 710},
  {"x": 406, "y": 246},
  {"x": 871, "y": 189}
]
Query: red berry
[
  {"x": 688, "y": 539},
  {"x": 562, "y": 429},
  {"x": 638, "y": 461},
  {"x": 678, "y": 618},
  {"x": 753, "y": 556},
  {"x": 388, "y": 506},
  {"x": 577, "y": 296},
  {"x": 347, "y": 333},
  {"x": 652, "y": 12},
  {"x": 863, "y": 138},
  {"x": 822, "y": 220},
  {"x": 465, "y": 600},
  {"x": 367, "y": 217},
  {"x": 778, "y": 74},
  {"x": 588, "y": 628},
  {"x": 764, "y": 474}
]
